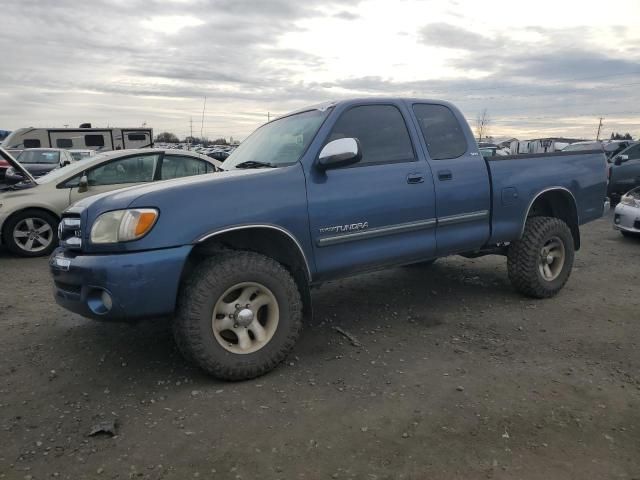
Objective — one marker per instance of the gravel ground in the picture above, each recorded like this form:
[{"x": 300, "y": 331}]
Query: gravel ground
[{"x": 457, "y": 377}]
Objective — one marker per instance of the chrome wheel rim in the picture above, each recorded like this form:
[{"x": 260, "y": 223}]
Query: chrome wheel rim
[
  {"x": 33, "y": 234},
  {"x": 245, "y": 318},
  {"x": 552, "y": 257}
]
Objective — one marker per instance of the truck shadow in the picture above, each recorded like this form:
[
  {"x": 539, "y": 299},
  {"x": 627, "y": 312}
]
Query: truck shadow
[{"x": 419, "y": 296}]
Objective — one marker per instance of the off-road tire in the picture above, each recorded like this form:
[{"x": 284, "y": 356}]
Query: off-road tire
[
  {"x": 9, "y": 226},
  {"x": 523, "y": 257},
  {"x": 199, "y": 293}
]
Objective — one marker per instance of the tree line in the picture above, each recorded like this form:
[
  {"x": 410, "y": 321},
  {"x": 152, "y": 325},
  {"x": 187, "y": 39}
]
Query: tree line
[{"x": 168, "y": 137}]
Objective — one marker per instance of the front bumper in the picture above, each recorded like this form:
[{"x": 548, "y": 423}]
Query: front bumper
[
  {"x": 122, "y": 287},
  {"x": 627, "y": 218}
]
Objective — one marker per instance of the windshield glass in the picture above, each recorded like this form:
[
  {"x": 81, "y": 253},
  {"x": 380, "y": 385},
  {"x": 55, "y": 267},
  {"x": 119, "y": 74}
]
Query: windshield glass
[
  {"x": 278, "y": 143},
  {"x": 582, "y": 146},
  {"x": 45, "y": 157}
]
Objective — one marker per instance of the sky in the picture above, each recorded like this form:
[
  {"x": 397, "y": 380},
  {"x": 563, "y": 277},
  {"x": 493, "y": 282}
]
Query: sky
[{"x": 538, "y": 68}]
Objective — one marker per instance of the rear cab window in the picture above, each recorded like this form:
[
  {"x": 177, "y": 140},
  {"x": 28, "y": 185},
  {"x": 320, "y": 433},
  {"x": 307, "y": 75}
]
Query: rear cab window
[
  {"x": 381, "y": 131},
  {"x": 441, "y": 131}
]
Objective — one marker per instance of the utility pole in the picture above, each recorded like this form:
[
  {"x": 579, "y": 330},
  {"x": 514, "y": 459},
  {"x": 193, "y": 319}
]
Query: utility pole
[
  {"x": 599, "y": 128},
  {"x": 202, "y": 123}
]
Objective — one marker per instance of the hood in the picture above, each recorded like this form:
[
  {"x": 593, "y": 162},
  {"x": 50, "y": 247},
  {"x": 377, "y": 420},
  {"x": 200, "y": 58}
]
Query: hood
[
  {"x": 15, "y": 164},
  {"x": 122, "y": 198}
]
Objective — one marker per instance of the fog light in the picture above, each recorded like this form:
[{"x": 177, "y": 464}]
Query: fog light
[{"x": 99, "y": 301}]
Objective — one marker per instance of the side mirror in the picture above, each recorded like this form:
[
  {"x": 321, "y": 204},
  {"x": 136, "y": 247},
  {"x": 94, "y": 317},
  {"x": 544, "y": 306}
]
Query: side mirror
[
  {"x": 64, "y": 163},
  {"x": 83, "y": 184},
  {"x": 340, "y": 153}
]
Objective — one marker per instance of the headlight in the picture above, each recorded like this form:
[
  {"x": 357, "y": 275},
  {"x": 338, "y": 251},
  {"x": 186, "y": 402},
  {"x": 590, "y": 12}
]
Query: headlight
[
  {"x": 123, "y": 225},
  {"x": 630, "y": 200},
  {"x": 10, "y": 171}
]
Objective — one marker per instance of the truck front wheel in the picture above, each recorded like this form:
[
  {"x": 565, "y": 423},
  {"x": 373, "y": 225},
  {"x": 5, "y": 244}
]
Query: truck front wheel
[
  {"x": 540, "y": 263},
  {"x": 239, "y": 315}
]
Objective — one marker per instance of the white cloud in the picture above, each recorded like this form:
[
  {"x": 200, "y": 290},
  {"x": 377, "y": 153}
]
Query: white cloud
[
  {"x": 170, "y": 24},
  {"x": 538, "y": 68}
]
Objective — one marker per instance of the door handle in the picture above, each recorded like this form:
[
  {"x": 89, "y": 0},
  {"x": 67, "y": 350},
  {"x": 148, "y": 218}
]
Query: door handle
[
  {"x": 445, "y": 175},
  {"x": 415, "y": 178}
]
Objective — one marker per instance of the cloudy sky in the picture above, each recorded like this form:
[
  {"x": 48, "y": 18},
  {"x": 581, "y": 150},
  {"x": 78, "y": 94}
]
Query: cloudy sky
[{"x": 543, "y": 67}]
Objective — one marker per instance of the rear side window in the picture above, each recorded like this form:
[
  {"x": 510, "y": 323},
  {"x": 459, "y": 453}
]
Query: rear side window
[
  {"x": 31, "y": 143},
  {"x": 94, "y": 140},
  {"x": 178, "y": 166},
  {"x": 633, "y": 153},
  {"x": 64, "y": 143},
  {"x": 381, "y": 131},
  {"x": 441, "y": 131}
]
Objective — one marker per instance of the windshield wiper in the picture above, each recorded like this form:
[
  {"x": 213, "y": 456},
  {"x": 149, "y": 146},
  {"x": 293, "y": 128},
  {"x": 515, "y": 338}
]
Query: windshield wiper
[{"x": 255, "y": 164}]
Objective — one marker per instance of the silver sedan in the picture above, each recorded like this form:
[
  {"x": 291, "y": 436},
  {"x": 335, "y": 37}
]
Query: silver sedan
[{"x": 627, "y": 214}]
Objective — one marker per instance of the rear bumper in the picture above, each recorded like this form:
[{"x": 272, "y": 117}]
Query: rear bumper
[
  {"x": 627, "y": 218},
  {"x": 119, "y": 287}
]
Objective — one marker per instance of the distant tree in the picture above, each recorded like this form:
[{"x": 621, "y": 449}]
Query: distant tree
[
  {"x": 220, "y": 141},
  {"x": 482, "y": 125},
  {"x": 193, "y": 140},
  {"x": 618, "y": 136},
  {"x": 167, "y": 137}
]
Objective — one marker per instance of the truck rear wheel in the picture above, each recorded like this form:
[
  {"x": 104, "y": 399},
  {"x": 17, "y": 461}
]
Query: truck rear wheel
[
  {"x": 239, "y": 315},
  {"x": 540, "y": 263}
]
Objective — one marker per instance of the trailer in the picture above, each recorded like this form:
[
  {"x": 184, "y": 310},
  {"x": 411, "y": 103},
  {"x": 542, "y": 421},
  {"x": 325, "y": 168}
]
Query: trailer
[{"x": 84, "y": 137}]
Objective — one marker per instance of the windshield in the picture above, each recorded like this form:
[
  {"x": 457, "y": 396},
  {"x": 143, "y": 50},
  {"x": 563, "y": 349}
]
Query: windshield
[
  {"x": 278, "y": 143},
  {"x": 44, "y": 157},
  {"x": 576, "y": 147}
]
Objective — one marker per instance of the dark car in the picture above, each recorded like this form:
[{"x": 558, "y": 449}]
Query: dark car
[
  {"x": 38, "y": 162},
  {"x": 4, "y": 165},
  {"x": 624, "y": 172}
]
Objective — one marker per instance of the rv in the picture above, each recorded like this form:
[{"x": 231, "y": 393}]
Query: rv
[{"x": 85, "y": 137}]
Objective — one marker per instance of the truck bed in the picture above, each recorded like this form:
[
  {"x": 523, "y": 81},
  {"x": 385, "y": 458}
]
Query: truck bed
[{"x": 517, "y": 180}]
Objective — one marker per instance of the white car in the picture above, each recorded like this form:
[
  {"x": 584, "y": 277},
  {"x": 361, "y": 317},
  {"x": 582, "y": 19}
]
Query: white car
[
  {"x": 30, "y": 210},
  {"x": 627, "y": 214}
]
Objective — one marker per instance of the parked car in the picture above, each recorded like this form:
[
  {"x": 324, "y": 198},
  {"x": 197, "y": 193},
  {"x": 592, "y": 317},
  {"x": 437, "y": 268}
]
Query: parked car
[
  {"x": 317, "y": 195},
  {"x": 624, "y": 172},
  {"x": 79, "y": 154},
  {"x": 627, "y": 214},
  {"x": 38, "y": 162},
  {"x": 610, "y": 147},
  {"x": 30, "y": 210},
  {"x": 4, "y": 165}
]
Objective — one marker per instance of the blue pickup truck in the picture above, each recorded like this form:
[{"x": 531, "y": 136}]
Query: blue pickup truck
[{"x": 322, "y": 193}]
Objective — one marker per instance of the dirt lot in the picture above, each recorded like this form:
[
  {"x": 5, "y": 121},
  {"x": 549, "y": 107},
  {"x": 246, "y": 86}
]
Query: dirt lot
[{"x": 458, "y": 377}]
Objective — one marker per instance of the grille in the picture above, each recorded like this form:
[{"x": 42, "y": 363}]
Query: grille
[{"x": 70, "y": 233}]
